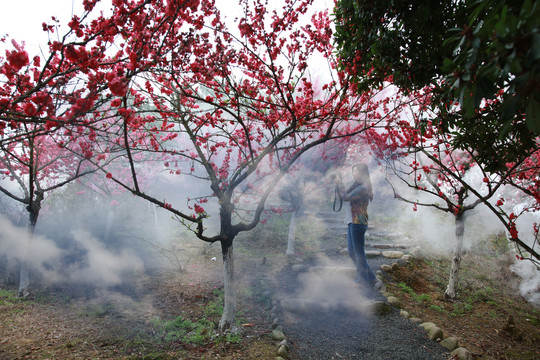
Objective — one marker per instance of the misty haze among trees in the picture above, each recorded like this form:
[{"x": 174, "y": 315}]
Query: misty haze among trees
[{"x": 140, "y": 138}]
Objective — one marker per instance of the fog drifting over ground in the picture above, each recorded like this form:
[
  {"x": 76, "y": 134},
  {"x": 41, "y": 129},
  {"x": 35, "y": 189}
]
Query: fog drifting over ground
[
  {"x": 434, "y": 230},
  {"x": 70, "y": 245}
]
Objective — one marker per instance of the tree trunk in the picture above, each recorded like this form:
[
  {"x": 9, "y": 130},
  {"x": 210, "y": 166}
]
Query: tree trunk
[
  {"x": 156, "y": 224},
  {"x": 108, "y": 226},
  {"x": 292, "y": 231},
  {"x": 153, "y": 209},
  {"x": 229, "y": 308},
  {"x": 450, "y": 292},
  {"x": 24, "y": 276}
]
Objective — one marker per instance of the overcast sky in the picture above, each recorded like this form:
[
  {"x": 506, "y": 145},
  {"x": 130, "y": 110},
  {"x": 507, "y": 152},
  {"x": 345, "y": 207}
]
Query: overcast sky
[{"x": 22, "y": 19}]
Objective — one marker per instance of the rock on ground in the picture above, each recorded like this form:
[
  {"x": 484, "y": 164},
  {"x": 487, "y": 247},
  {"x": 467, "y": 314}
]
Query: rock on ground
[
  {"x": 394, "y": 301},
  {"x": 277, "y": 335},
  {"x": 427, "y": 325},
  {"x": 372, "y": 253},
  {"x": 451, "y": 343},
  {"x": 435, "y": 333},
  {"x": 283, "y": 352},
  {"x": 392, "y": 254},
  {"x": 461, "y": 354}
]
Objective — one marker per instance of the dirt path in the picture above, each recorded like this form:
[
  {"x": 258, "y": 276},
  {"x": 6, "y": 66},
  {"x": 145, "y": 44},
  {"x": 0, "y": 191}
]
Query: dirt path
[
  {"x": 325, "y": 316},
  {"x": 348, "y": 334}
]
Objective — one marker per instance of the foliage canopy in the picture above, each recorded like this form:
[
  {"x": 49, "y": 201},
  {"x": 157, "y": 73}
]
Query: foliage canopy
[{"x": 480, "y": 58}]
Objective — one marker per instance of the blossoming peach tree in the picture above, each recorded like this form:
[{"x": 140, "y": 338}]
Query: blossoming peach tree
[
  {"x": 478, "y": 66},
  {"x": 228, "y": 105},
  {"x": 51, "y": 103},
  {"x": 231, "y": 106},
  {"x": 420, "y": 156},
  {"x": 32, "y": 168}
]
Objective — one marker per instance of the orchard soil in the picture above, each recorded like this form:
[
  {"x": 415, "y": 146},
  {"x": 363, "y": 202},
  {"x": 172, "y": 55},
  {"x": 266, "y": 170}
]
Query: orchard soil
[
  {"x": 127, "y": 322},
  {"x": 489, "y": 317}
]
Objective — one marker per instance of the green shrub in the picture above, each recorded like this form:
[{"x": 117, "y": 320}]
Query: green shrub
[
  {"x": 437, "y": 308},
  {"x": 196, "y": 332},
  {"x": 460, "y": 309},
  {"x": 184, "y": 330},
  {"x": 10, "y": 296},
  {"x": 416, "y": 297}
]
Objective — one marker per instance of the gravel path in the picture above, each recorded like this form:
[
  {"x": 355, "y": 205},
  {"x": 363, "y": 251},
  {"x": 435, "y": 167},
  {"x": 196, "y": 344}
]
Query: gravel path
[
  {"x": 334, "y": 335},
  {"x": 386, "y": 337},
  {"x": 338, "y": 332}
]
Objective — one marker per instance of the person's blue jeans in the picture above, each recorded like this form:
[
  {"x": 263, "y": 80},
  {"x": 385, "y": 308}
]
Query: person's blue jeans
[{"x": 355, "y": 245}]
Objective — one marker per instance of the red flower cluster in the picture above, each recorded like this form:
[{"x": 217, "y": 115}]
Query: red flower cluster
[
  {"x": 18, "y": 59},
  {"x": 512, "y": 229},
  {"x": 199, "y": 209},
  {"x": 29, "y": 109},
  {"x": 118, "y": 86}
]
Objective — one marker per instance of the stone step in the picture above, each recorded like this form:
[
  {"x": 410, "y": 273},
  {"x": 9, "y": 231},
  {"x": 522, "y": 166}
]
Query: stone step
[
  {"x": 372, "y": 253},
  {"x": 367, "y": 235},
  {"x": 341, "y": 232},
  {"x": 369, "y": 253},
  {"x": 386, "y": 246},
  {"x": 389, "y": 254},
  {"x": 369, "y": 244},
  {"x": 393, "y": 254},
  {"x": 381, "y": 233}
]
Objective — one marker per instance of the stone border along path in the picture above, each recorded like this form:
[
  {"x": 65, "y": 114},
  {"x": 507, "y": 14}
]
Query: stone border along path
[{"x": 384, "y": 257}]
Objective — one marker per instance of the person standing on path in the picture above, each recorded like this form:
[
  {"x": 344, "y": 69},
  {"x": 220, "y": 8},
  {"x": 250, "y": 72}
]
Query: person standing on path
[{"x": 359, "y": 194}]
